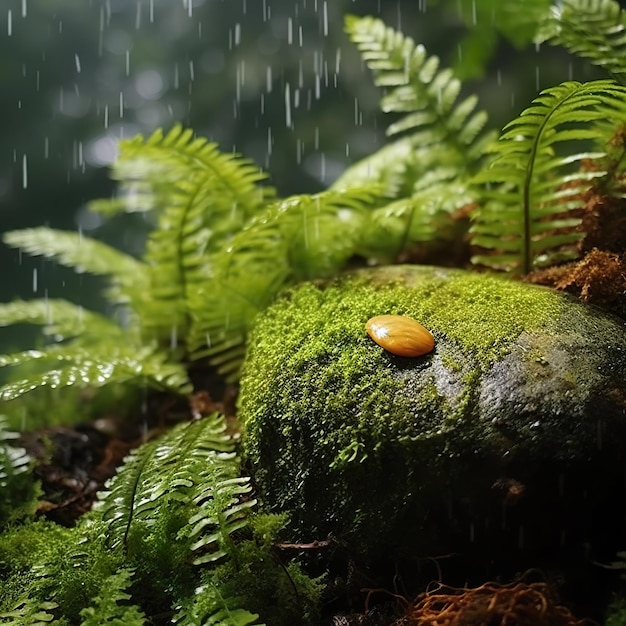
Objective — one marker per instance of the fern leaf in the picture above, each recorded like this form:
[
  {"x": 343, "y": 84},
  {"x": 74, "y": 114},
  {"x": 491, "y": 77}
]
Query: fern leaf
[
  {"x": 221, "y": 507},
  {"x": 147, "y": 169},
  {"x": 60, "y": 319},
  {"x": 18, "y": 492},
  {"x": 201, "y": 196},
  {"x": 300, "y": 238},
  {"x": 88, "y": 368},
  {"x": 13, "y": 459},
  {"x": 208, "y": 606},
  {"x": 30, "y": 613},
  {"x": 110, "y": 606},
  {"x": 129, "y": 276},
  {"x": 592, "y": 29},
  {"x": 421, "y": 218},
  {"x": 533, "y": 181},
  {"x": 169, "y": 472},
  {"x": 417, "y": 88}
]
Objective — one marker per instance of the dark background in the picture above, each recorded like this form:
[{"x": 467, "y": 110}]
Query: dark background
[{"x": 76, "y": 76}]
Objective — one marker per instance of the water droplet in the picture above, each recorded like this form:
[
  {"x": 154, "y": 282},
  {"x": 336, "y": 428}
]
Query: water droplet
[
  {"x": 288, "y": 122},
  {"x": 24, "y": 172}
]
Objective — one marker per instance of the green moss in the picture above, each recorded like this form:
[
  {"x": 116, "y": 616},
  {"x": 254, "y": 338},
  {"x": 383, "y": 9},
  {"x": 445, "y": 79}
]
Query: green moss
[{"x": 342, "y": 434}]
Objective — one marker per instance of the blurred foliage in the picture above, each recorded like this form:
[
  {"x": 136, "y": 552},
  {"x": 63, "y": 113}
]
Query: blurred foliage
[{"x": 274, "y": 80}]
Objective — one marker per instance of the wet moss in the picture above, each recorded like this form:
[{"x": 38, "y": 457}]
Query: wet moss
[{"x": 352, "y": 440}]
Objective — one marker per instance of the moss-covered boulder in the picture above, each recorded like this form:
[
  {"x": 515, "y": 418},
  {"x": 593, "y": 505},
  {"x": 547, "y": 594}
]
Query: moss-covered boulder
[{"x": 508, "y": 437}]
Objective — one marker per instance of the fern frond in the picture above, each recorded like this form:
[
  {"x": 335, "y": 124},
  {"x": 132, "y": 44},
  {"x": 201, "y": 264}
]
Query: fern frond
[
  {"x": 60, "y": 319},
  {"x": 300, "y": 238},
  {"x": 85, "y": 367},
  {"x": 18, "y": 489},
  {"x": 111, "y": 606},
  {"x": 208, "y": 606},
  {"x": 30, "y": 613},
  {"x": 13, "y": 459},
  {"x": 201, "y": 197},
  {"x": 425, "y": 95},
  {"x": 178, "y": 470},
  {"x": 534, "y": 181},
  {"x": 147, "y": 169},
  {"x": 423, "y": 217},
  {"x": 223, "y": 510},
  {"x": 592, "y": 29},
  {"x": 85, "y": 255}
]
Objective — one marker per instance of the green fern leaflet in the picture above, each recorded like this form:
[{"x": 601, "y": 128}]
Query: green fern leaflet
[{"x": 535, "y": 181}]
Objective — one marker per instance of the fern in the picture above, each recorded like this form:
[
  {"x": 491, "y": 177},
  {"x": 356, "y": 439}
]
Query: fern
[
  {"x": 31, "y": 613},
  {"x": 88, "y": 367},
  {"x": 300, "y": 238},
  {"x": 110, "y": 606},
  {"x": 60, "y": 320},
  {"x": 442, "y": 142},
  {"x": 13, "y": 460},
  {"x": 181, "y": 469},
  {"x": 201, "y": 198},
  {"x": 208, "y": 607},
  {"x": 128, "y": 275},
  {"x": 425, "y": 95},
  {"x": 527, "y": 218},
  {"x": 592, "y": 29},
  {"x": 18, "y": 490},
  {"x": 86, "y": 348}
]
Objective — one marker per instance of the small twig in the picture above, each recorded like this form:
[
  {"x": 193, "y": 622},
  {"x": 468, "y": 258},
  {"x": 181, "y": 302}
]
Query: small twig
[{"x": 313, "y": 545}]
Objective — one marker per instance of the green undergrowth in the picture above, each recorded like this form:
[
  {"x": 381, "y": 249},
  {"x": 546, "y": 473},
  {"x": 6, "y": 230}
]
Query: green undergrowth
[
  {"x": 177, "y": 536},
  {"x": 181, "y": 545}
]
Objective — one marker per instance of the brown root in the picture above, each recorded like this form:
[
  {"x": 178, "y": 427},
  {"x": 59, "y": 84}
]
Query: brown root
[{"x": 518, "y": 604}]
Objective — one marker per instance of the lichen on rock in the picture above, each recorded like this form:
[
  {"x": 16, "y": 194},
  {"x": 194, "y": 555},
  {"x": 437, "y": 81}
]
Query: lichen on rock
[{"x": 474, "y": 443}]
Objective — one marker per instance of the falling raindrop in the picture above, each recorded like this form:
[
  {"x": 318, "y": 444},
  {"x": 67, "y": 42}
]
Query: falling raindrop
[
  {"x": 77, "y": 62},
  {"x": 268, "y": 79},
  {"x": 287, "y": 105},
  {"x": 24, "y": 173},
  {"x": 9, "y": 23},
  {"x": 35, "y": 280}
]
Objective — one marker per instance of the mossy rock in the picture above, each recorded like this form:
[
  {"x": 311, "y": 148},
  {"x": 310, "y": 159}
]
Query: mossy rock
[{"x": 505, "y": 439}]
